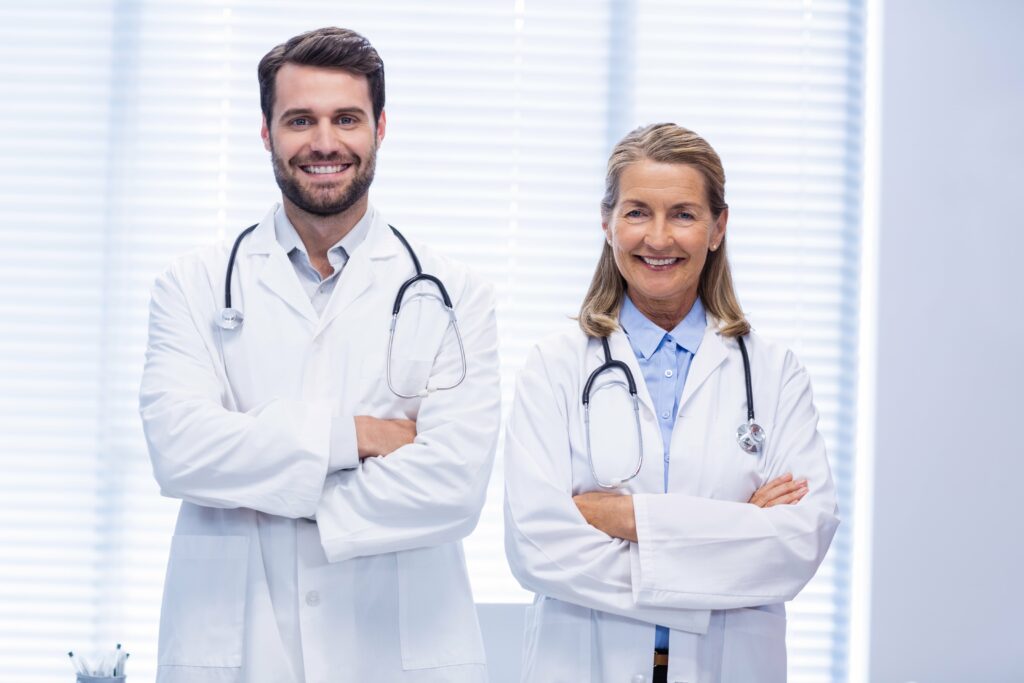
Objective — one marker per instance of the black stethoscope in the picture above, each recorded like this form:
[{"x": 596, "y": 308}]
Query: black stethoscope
[
  {"x": 750, "y": 435},
  {"x": 231, "y": 318}
]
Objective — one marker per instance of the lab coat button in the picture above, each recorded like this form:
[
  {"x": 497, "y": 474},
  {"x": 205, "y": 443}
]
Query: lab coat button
[{"x": 312, "y": 598}]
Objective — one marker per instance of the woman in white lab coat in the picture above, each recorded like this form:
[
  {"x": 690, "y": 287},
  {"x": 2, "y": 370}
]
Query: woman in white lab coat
[{"x": 702, "y": 547}]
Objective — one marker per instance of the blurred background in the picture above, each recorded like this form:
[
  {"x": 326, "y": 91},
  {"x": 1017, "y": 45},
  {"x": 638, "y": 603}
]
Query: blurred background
[{"x": 872, "y": 150}]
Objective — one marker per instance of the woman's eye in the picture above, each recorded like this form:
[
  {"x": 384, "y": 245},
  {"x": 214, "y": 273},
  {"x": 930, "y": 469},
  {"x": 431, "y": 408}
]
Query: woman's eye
[
  {"x": 685, "y": 216},
  {"x": 634, "y": 213}
]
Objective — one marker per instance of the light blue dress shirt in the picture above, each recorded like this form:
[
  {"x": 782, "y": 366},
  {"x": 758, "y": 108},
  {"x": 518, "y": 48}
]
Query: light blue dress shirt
[
  {"x": 664, "y": 359},
  {"x": 319, "y": 288}
]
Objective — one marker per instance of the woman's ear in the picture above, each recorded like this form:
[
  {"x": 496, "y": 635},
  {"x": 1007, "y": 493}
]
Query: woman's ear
[{"x": 718, "y": 231}]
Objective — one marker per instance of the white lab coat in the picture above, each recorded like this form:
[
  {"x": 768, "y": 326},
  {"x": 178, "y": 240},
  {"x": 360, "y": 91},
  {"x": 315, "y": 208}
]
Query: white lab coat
[
  {"x": 239, "y": 426},
  {"x": 713, "y": 568}
]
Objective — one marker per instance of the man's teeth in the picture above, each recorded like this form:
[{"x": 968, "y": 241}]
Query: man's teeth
[
  {"x": 658, "y": 261},
  {"x": 324, "y": 169}
]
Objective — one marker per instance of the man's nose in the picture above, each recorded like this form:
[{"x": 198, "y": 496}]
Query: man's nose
[{"x": 324, "y": 140}]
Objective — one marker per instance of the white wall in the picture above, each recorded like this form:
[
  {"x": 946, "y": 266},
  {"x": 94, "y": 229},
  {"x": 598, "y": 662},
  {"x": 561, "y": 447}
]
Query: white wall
[{"x": 948, "y": 557}]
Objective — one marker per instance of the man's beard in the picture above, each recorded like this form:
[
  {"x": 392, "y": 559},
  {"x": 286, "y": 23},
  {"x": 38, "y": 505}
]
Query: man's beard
[{"x": 322, "y": 203}]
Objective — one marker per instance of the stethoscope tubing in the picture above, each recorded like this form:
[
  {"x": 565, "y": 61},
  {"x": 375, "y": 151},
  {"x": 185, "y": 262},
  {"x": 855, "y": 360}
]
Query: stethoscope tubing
[
  {"x": 231, "y": 263},
  {"x": 231, "y": 319},
  {"x": 610, "y": 364},
  {"x": 750, "y": 435}
]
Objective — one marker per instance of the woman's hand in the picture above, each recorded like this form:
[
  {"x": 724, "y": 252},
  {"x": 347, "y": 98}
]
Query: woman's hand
[
  {"x": 779, "y": 491},
  {"x": 611, "y": 513}
]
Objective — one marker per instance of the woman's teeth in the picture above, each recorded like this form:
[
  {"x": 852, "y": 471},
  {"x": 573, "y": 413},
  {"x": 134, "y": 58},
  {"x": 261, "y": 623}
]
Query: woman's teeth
[{"x": 658, "y": 261}]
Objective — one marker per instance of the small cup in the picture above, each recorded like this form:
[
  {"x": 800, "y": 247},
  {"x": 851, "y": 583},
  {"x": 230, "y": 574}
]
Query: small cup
[{"x": 84, "y": 678}]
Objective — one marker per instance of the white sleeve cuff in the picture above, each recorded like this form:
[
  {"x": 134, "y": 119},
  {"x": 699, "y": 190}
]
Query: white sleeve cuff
[{"x": 344, "y": 453}]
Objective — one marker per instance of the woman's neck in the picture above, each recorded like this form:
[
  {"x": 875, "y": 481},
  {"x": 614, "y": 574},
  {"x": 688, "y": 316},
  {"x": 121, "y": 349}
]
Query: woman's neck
[{"x": 666, "y": 314}]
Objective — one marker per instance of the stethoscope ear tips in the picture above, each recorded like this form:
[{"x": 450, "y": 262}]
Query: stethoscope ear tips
[
  {"x": 230, "y": 319},
  {"x": 750, "y": 437}
]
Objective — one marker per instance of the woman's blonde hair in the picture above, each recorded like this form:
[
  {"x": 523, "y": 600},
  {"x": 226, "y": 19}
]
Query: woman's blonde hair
[{"x": 672, "y": 144}]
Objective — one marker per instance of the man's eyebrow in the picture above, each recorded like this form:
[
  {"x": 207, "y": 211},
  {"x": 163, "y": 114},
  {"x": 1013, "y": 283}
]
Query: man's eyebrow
[{"x": 305, "y": 111}]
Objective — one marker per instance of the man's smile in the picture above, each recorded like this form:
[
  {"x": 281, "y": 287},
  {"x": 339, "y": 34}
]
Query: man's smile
[{"x": 321, "y": 169}]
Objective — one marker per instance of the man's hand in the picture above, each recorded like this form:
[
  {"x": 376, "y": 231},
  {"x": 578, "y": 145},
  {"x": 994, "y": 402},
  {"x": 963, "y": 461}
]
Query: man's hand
[
  {"x": 380, "y": 437},
  {"x": 611, "y": 513},
  {"x": 779, "y": 491}
]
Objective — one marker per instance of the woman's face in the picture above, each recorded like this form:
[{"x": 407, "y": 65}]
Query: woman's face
[{"x": 660, "y": 232}]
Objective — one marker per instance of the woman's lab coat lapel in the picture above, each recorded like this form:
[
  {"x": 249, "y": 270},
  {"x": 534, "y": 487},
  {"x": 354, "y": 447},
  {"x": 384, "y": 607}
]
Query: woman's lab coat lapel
[
  {"x": 650, "y": 478},
  {"x": 685, "y": 467}
]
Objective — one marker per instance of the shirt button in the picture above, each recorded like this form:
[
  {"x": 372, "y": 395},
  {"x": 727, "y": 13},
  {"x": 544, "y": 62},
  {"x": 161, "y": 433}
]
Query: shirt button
[
  {"x": 665, "y": 415},
  {"x": 312, "y": 598},
  {"x": 669, "y": 373}
]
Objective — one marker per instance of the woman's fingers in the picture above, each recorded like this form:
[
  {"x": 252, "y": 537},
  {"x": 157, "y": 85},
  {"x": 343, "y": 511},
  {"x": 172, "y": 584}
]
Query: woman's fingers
[
  {"x": 789, "y": 498},
  {"x": 772, "y": 488},
  {"x": 780, "y": 491},
  {"x": 767, "y": 491}
]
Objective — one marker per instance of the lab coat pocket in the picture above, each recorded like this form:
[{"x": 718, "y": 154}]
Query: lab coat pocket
[
  {"x": 437, "y": 618},
  {"x": 203, "y": 612},
  {"x": 557, "y": 639},
  {"x": 754, "y": 647}
]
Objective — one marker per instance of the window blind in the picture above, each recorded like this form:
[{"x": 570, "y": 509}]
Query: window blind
[
  {"x": 131, "y": 134},
  {"x": 54, "y": 121},
  {"x": 777, "y": 89}
]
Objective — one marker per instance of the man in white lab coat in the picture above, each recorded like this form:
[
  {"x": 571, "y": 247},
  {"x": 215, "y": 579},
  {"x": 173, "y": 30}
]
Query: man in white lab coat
[{"x": 319, "y": 536}]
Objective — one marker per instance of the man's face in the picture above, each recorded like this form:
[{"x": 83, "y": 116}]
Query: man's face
[{"x": 322, "y": 138}]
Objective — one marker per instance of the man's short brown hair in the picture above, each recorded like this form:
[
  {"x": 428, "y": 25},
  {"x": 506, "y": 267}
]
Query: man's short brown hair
[{"x": 330, "y": 47}]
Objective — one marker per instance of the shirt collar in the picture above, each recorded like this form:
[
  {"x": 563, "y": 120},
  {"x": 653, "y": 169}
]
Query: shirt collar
[
  {"x": 288, "y": 236},
  {"x": 645, "y": 336}
]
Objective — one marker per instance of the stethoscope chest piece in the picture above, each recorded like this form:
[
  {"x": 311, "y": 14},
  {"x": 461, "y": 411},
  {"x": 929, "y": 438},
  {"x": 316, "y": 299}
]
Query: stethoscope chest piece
[
  {"x": 750, "y": 436},
  {"x": 230, "y": 319}
]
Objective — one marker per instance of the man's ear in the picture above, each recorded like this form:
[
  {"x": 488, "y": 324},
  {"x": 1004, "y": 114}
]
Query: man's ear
[
  {"x": 382, "y": 124},
  {"x": 265, "y": 134}
]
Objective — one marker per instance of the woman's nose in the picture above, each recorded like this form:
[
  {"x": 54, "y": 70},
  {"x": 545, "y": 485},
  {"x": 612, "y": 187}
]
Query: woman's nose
[{"x": 658, "y": 236}]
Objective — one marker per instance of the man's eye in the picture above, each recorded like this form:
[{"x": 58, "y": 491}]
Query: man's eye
[
  {"x": 301, "y": 121},
  {"x": 346, "y": 120}
]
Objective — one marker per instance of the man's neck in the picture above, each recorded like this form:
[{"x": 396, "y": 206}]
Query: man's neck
[{"x": 320, "y": 233}]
